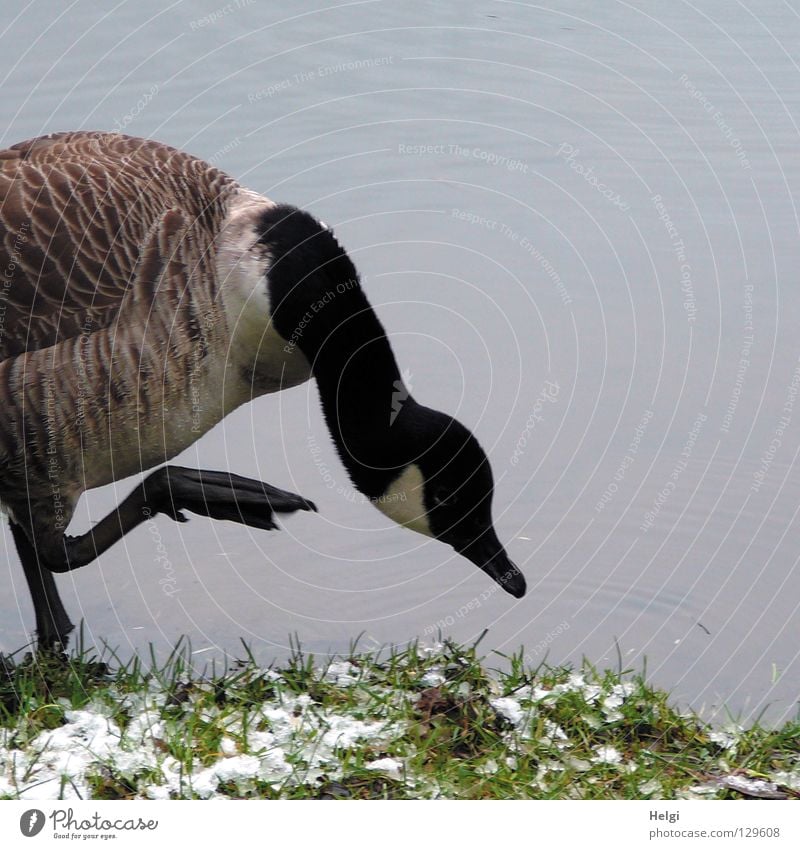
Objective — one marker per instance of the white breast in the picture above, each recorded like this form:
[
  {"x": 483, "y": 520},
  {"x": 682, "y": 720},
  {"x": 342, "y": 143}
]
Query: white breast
[{"x": 242, "y": 264}]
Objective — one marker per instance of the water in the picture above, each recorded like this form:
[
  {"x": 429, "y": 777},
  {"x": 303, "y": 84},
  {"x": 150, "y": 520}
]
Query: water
[{"x": 579, "y": 227}]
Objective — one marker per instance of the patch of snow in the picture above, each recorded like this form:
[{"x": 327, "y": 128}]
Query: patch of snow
[
  {"x": 508, "y": 708},
  {"x": 130, "y": 763},
  {"x": 342, "y": 673},
  {"x": 607, "y": 755},
  {"x": 757, "y": 787},
  {"x": 84, "y": 731},
  {"x": 610, "y": 703},
  {"x": 228, "y": 747},
  {"x": 554, "y": 730},
  {"x": 576, "y": 681},
  {"x": 591, "y": 693},
  {"x": 52, "y": 789},
  {"x": 726, "y": 738},
  {"x": 274, "y": 766},
  {"x": 554, "y": 734},
  {"x": 259, "y": 741},
  {"x": 147, "y": 725},
  {"x": 612, "y": 715},
  {"x": 344, "y": 731},
  {"x": 540, "y": 694},
  {"x": 238, "y": 768},
  {"x": 392, "y": 767},
  {"x": 204, "y": 784},
  {"x": 56, "y": 764}
]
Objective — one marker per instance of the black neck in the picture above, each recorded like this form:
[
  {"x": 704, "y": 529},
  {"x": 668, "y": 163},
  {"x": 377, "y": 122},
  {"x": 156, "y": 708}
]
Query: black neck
[
  {"x": 318, "y": 304},
  {"x": 365, "y": 402}
]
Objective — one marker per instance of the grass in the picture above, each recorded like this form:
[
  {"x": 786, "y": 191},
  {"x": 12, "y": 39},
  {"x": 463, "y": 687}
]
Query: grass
[{"x": 416, "y": 723}]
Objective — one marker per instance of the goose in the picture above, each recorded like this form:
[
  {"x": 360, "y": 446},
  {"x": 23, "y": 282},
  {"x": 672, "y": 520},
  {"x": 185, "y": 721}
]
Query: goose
[{"x": 145, "y": 295}]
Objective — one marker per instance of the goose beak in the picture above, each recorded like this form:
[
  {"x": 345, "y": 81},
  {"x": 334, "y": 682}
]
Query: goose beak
[{"x": 488, "y": 554}]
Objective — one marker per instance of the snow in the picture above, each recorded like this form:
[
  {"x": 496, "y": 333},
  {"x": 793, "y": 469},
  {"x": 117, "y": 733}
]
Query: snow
[
  {"x": 228, "y": 747},
  {"x": 302, "y": 742},
  {"x": 291, "y": 739},
  {"x": 345, "y": 731},
  {"x": 726, "y": 738},
  {"x": 509, "y": 708},
  {"x": 757, "y": 788},
  {"x": 391, "y": 766},
  {"x": 607, "y": 755},
  {"x": 54, "y": 764},
  {"x": 342, "y": 673},
  {"x": 554, "y": 734},
  {"x": 239, "y": 770}
]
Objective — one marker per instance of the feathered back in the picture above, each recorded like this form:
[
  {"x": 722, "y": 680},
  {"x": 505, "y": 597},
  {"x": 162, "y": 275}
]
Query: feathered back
[{"x": 90, "y": 220}]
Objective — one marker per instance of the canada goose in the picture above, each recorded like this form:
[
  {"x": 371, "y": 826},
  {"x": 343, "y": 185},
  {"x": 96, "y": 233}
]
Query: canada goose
[{"x": 146, "y": 295}]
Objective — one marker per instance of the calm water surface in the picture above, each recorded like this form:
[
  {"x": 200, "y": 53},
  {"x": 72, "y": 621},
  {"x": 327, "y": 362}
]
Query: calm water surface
[{"x": 579, "y": 227}]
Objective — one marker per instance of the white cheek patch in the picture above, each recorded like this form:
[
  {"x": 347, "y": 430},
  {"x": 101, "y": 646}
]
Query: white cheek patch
[{"x": 403, "y": 501}]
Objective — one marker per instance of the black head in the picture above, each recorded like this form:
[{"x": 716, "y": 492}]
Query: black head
[
  {"x": 420, "y": 467},
  {"x": 451, "y": 473}
]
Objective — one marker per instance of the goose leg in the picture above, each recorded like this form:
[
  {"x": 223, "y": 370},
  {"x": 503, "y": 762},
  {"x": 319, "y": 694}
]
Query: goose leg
[
  {"x": 52, "y": 623},
  {"x": 169, "y": 490}
]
